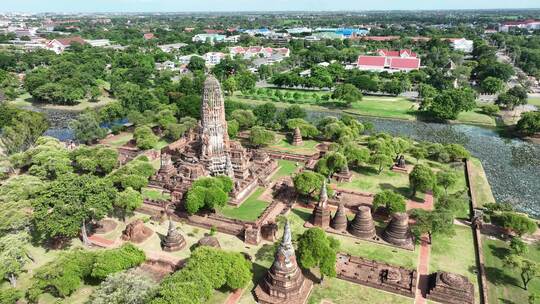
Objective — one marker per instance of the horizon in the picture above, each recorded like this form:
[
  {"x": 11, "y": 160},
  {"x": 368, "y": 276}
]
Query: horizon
[{"x": 244, "y": 6}]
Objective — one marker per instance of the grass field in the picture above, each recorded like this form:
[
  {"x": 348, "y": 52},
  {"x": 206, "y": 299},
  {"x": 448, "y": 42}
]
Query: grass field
[
  {"x": 455, "y": 254},
  {"x": 286, "y": 168},
  {"x": 476, "y": 117},
  {"x": 482, "y": 190},
  {"x": 282, "y": 144},
  {"x": 534, "y": 101},
  {"x": 250, "y": 209},
  {"x": 118, "y": 140},
  {"x": 387, "y": 107},
  {"x": 344, "y": 292},
  {"x": 26, "y": 100},
  {"x": 154, "y": 194},
  {"x": 504, "y": 284}
]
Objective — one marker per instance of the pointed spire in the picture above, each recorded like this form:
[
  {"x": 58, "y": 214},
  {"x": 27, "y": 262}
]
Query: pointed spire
[
  {"x": 287, "y": 238},
  {"x": 171, "y": 226},
  {"x": 323, "y": 197}
]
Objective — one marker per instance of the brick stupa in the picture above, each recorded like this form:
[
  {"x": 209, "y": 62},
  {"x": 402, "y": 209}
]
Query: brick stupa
[
  {"x": 397, "y": 232},
  {"x": 451, "y": 288},
  {"x": 297, "y": 137},
  {"x": 362, "y": 225},
  {"x": 173, "y": 241},
  {"x": 321, "y": 213},
  {"x": 284, "y": 282},
  {"x": 339, "y": 221}
]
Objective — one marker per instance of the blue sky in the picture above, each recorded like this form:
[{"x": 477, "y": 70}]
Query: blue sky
[{"x": 251, "y": 5}]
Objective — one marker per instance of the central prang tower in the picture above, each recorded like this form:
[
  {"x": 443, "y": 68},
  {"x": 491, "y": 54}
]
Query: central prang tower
[{"x": 214, "y": 139}]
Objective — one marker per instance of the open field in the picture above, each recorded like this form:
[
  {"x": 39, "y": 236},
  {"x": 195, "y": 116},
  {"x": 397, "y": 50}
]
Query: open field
[
  {"x": 250, "y": 209},
  {"x": 282, "y": 144},
  {"x": 476, "y": 117},
  {"x": 25, "y": 100},
  {"x": 504, "y": 284},
  {"x": 154, "y": 194},
  {"x": 286, "y": 168},
  {"x": 482, "y": 190},
  {"x": 455, "y": 254},
  {"x": 386, "y": 107},
  {"x": 534, "y": 101},
  {"x": 119, "y": 140}
]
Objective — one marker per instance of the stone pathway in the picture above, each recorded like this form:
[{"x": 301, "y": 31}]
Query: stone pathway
[
  {"x": 101, "y": 241},
  {"x": 423, "y": 271},
  {"x": 426, "y": 205},
  {"x": 234, "y": 297}
]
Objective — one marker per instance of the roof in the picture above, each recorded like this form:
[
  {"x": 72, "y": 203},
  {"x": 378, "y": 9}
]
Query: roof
[
  {"x": 399, "y": 53},
  {"x": 148, "y": 36},
  {"x": 68, "y": 41},
  {"x": 380, "y": 38},
  {"x": 404, "y": 63},
  {"x": 375, "y": 61}
]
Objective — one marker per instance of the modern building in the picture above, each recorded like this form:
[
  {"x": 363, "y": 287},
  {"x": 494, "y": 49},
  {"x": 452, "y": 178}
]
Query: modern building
[
  {"x": 167, "y": 48},
  {"x": 213, "y": 58},
  {"x": 462, "y": 44},
  {"x": 529, "y": 24},
  {"x": 60, "y": 45},
  {"x": 208, "y": 38}
]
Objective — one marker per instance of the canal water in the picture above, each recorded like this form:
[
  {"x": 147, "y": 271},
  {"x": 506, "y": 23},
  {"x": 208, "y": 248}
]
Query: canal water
[{"x": 511, "y": 165}]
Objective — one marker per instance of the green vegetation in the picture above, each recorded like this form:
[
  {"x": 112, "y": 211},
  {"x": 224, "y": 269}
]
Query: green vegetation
[
  {"x": 504, "y": 282},
  {"x": 482, "y": 190},
  {"x": 455, "y": 254},
  {"x": 286, "y": 168},
  {"x": 385, "y": 107},
  {"x": 249, "y": 210},
  {"x": 283, "y": 145},
  {"x": 155, "y": 194},
  {"x": 344, "y": 292}
]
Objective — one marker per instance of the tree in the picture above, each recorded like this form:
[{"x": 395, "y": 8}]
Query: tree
[
  {"x": 528, "y": 269},
  {"x": 145, "y": 138},
  {"x": 331, "y": 163},
  {"x": 491, "y": 85},
  {"x": 515, "y": 96},
  {"x": 347, "y": 92},
  {"x": 392, "y": 201},
  {"x": 308, "y": 183},
  {"x": 208, "y": 193},
  {"x": 96, "y": 160},
  {"x": 421, "y": 178},
  {"x": 196, "y": 63},
  {"x": 449, "y": 103},
  {"x": 66, "y": 205},
  {"x": 306, "y": 129},
  {"x": 21, "y": 129},
  {"x": 518, "y": 246},
  {"x": 381, "y": 160},
  {"x": 87, "y": 129},
  {"x": 446, "y": 179},
  {"x": 134, "y": 174},
  {"x": 127, "y": 287},
  {"x": 127, "y": 201},
  {"x": 315, "y": 249},
  {"x": 13, "y": 256},
  {"x": 426, "y": 92},
  {"x": 246, "y": 81},
  {"x": 230, "y": 85},
  {"x": 529, "y": 123},
  {"x": 516, "y": 222},
  {"x": 115, "y": 260},
  {"x": 245, "y": 118},
  {"x": 265, "y": 112},
  {"x": 419, "y": 152},
  {"x": 232, "y": 128},
  {"x": 259, "y": 136},
  {"x": 437, "y": 222},
  {"x": 10, "y": 295}
]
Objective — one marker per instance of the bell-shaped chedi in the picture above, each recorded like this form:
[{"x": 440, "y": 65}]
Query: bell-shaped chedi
[
  {"x": 397, "y": 232},
  {"x": 339, "y": 221},
  {"x": 297, "y": 137},
  {"x": 321, "y": 213},
  {"x": 173, "y": 241},
  {"x": 362, "y": 225},
  {"x": 284, "y": 282}
]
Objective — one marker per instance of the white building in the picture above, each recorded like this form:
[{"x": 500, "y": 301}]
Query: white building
[
  {"x": 213, "y": 58},
  {"x": 208, "y": 38},
  {"x": 99, "y": 42},
  {"x": 463, "y": 45},
  {"x": 529, "y": 24},
  {"x": 187, "y": 58},
  {"x": 167, "y": 48}
]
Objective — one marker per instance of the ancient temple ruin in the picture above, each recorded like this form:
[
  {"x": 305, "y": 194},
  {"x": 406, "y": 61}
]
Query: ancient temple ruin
[
  {"x": 206, "y": 150},
  {"x": 321, "y": 213},
  {"x": 297, "y": 137},
  {"x": 362, "y": 225},
  {"x": 339, "y": 221},
  {"x": 284, "y": 282},
  {"x": 451, "y": 288},
  {"x": 173, "y": 241},
  {"x": 397, "y": 232}
]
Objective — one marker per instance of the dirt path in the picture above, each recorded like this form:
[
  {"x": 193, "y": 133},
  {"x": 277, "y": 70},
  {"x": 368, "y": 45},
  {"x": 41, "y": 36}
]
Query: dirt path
[{"x": 234, "y": 297}]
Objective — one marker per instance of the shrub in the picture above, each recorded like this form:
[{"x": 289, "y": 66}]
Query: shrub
[
  {"x": 115, "y": 260},
  {"x": 393, "y": 202},
  {"x": 145, "y": 138}
]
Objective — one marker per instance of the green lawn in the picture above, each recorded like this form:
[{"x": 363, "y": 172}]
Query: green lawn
[
  {"x": 357, "y": 247},
  {"x": 387, "y": 107},
  {"x": 250, "y": 209},
  {"x": 455, "y": 254},
  {"x": 119, "y": 140},
  {"x": 534, "y": 101},
  {"x": 345, "y": 292},
  {"x": 482, "y": 190},
  {"x": 155, "y": 194},
  {"x": 476, "y": 117},
  {"x": 504, "y": 284},
  {"x": 282, "y": 144},
  {"x": 286, "y": 168}
]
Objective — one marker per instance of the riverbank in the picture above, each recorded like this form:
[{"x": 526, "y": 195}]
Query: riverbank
[{"x": 26, "y": 101}]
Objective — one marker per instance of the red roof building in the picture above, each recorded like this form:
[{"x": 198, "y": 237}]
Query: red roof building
[
  {"x": 148, "y": 36},
  {"x": 61, "y": 44},
  {"x": 391, "y": 61}
]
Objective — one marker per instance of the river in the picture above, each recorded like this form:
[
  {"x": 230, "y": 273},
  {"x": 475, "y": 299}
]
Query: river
[{"x": 511, "y": 165}]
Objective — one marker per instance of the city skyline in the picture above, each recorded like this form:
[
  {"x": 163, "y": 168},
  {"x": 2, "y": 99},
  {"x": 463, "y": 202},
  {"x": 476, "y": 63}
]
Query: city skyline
[{"x": 37, "y": 6}]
